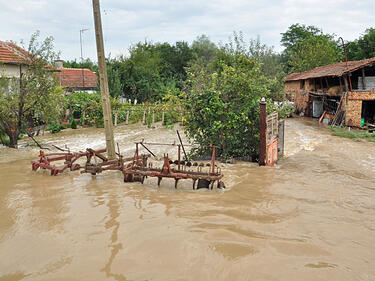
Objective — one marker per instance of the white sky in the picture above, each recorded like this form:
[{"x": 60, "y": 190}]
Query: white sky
[{"x": 126, "y": 22}]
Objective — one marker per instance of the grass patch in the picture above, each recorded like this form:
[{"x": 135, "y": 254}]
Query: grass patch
[{"x": 355, "y": 135}]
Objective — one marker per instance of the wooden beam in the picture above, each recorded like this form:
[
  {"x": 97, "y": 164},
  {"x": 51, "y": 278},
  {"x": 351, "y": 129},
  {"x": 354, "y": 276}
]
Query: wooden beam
[
  {"x": 314, "y": 84},
  {"x": 340, "y": 85},
  {"x": 327, "y": 82},
  {"x": 363, "y": 79},
  {"x": 346, "y": 83}
]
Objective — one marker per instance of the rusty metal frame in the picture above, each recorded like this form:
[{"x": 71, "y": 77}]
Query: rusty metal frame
[
  {"x": 177, "y": 169},
  {"x": 136, "y": 168}
]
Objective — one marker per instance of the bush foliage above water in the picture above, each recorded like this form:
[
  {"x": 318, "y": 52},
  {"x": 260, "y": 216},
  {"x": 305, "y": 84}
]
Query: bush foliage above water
[{"x": 222, "y": 105}]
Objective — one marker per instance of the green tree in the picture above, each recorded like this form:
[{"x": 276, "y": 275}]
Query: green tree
[
  {"x": 87, "y": 63},
  {"x": 34, "y": 97},
  {"x": 223, "y": 105},
  {"x": 271, "y": 66},
  {"x": 204, "y": 49},
  {"x": 307, "y": 47},
  {"x": 363, "y": 47},
  {"x": 314, "y": 51},
  {"x": 297, "y": 33}
]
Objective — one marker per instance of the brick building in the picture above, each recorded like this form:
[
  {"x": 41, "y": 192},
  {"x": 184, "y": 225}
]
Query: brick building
[{"x": 343, "y": 92}]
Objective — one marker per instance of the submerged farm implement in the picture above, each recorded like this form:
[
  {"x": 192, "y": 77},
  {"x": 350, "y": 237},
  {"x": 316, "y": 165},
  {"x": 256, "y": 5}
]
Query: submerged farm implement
[
  {"x": 205, "y": 173},
  {"x": 136, "y": 168}
]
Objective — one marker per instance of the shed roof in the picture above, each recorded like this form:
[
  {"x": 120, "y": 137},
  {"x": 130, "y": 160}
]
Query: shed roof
[
  {"x": 11, "y": 53},
  {"x": 77, "y": 78},
  {"x": 336, "y": 69}
]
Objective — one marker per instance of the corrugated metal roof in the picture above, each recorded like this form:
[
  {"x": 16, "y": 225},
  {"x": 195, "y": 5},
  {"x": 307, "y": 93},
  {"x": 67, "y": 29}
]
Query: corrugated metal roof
[
  {"x": 77, "y": 78},
  {"x": 336, "y": 69},
  {"x": 11, "y": 53}
]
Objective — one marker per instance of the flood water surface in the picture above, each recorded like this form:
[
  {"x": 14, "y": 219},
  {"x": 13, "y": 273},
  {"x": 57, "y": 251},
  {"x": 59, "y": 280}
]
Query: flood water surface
[{"x": 311, "y": 217}]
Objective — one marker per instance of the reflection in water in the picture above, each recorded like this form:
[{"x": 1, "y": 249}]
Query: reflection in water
[
  {"x": 312, "y": 217},
  {"x": 114, "y": 245}
]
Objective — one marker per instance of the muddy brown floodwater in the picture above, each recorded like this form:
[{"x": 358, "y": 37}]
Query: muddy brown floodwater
[{"x": 312, "y": 217}]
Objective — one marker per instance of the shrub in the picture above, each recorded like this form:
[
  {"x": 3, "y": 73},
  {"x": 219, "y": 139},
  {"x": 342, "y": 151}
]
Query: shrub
[
  {"x": 73, "y": 124},
  {"x": 55, "y": 127}
]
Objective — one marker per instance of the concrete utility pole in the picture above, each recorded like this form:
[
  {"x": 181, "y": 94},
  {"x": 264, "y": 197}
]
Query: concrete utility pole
[{"x": 107, "y": 114}]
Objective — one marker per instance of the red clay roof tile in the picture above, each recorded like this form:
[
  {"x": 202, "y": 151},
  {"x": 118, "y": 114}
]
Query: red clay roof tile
[
  {"x": 11, "y": 53},
  {"x": 77, "y": 78},
  {"x": 336, "y": 69}
]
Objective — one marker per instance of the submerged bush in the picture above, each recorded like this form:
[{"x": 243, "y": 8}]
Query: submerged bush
[
  {"x": 55, "y": 127},
  {"x": 73, "y": 124}
]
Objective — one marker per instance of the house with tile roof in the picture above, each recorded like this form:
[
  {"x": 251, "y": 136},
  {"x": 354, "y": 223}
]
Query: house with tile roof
[
  {"x": 341, "y": 94},
  {"x": 13, "y": 60},
  {"x": 76, "y": 79}
]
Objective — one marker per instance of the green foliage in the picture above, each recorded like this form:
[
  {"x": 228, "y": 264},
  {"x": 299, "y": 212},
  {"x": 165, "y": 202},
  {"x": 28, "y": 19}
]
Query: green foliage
[
  {"x": 307, "y": 47},
  {"x": 204, "y": 49},
  {"x": 363, "y": 47},
  {"x": 355, "y": 135},
  {"x": 55, "y": 127},
  {"x": 85, "y": 106},
  {"x": 87, "y": 63},
  {"x": 73, "y": 124},
  {"x": 285, "y": 111},
  {"x": 271, "y": 66},
  {"x": 34, "y": 98},
  {"x": 223, "y": 106},
  {"x": 99, "y": 123},
  {"x": 4, "y": 138},
  {"x": 297, "y": 33},
  {"x": 313, "y": 52}
]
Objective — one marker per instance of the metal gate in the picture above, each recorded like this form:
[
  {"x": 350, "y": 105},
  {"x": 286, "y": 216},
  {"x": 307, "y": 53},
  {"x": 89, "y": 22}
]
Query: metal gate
[{"x": 269, "y": 136}]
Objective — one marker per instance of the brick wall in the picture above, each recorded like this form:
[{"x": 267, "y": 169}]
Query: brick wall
[
  {"x": 354, "y": 107},
  {"x": 299, "y": 96},
  {"x": 292, "y": 88}
]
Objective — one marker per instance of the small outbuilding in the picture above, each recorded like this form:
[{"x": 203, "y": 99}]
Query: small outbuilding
[
  {"x": 342, "y": 93},
  {"x": 76, "y": 79}
]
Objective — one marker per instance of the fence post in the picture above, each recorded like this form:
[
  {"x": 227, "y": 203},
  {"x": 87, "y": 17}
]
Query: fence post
[
  {"x": 144, "y": 117},
  {"x": 127, "y": 117},
  {"x": 263, "y": 135},
  {"x": 153, "y": 117},
  {"x": 116, "y": 118}
]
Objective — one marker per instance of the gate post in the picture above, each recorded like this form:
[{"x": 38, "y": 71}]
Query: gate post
[{"x": 263, "y": 135}]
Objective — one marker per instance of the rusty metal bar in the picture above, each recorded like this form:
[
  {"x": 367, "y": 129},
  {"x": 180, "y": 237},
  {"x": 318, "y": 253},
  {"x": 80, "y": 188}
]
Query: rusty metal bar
[
  {"x": 183, "y": 148},
  {"x": 213, "y": 159},
  {"x": 179, "y": 156},
  {"x": 147, "y": 149},
  {"x": 263, "y": 136}
]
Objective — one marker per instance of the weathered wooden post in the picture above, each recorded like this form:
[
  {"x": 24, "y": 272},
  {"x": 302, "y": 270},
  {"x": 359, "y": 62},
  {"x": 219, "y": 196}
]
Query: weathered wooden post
[
  {"x": 144, "y": 117},
  {"x": 107, "y": 115},
  {"x": 153, "y": 117},
  {"x": 127, "y": 117},
  {"x": 263, "y": 135}
]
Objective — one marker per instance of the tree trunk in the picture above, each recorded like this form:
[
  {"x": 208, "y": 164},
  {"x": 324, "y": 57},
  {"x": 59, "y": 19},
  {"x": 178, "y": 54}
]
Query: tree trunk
[{"x": 13, "y": 139}]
